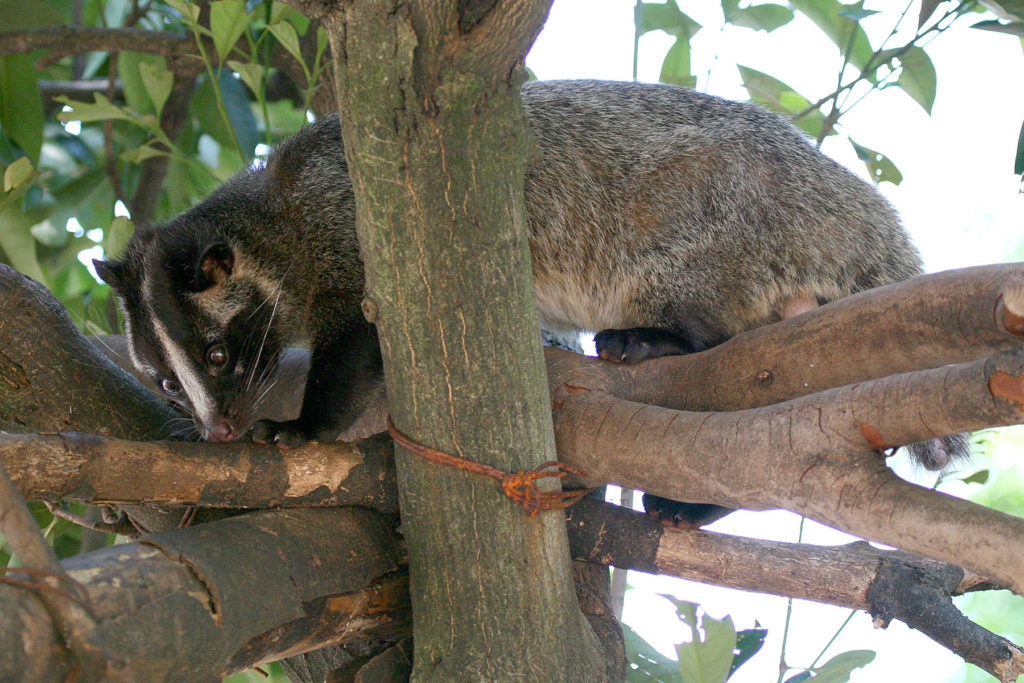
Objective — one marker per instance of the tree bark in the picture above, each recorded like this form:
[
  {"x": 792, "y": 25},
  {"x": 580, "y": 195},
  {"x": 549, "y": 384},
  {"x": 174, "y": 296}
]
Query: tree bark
[
  {"x": 202, "y": 603},
  {"x": 52, "y": 380},
  {"x": 102, "y": 471},
  {"x": 887, "y": 584},
  {"x": 135, "y": 588},
  {"x": 435, "y": 143}
]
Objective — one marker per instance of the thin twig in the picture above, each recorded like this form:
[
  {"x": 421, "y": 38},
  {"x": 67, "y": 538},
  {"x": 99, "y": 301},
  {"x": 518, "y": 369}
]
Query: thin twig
[{"x": 121, "y": 527}]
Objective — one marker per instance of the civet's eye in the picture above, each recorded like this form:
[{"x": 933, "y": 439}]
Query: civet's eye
[
  {"x": 217, "y": 356},
  {"x": 170, "y": 386}
]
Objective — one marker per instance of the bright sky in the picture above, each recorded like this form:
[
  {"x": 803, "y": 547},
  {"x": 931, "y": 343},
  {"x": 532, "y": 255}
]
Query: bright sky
[{"x": 959, "y": 199}]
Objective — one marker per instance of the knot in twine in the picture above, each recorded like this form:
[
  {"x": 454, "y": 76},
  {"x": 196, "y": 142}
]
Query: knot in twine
[{"x": 518, "y": 486}]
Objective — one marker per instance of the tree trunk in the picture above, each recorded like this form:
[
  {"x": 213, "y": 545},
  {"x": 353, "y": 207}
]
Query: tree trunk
[{"x": 435, "y": 142}]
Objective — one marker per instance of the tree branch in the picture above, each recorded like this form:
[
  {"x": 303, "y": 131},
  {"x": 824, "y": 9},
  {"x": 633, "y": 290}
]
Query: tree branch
[
  {"x": 63, "y": 599},
  {"x": 887, "y": 584},
  {"x": 824, "y": 463},
  {"x": 52, "y": 379},
  {"x": 925, "y": 322},
  {"x": 212, "y": 598},
  {"x": 96, "y": 470},
  {"x": 61, "y": 41},
  {"x": 814, "y": 455}
]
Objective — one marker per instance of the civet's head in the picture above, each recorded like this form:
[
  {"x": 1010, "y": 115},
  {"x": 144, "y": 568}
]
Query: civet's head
[{"x": 212, "y": 332}]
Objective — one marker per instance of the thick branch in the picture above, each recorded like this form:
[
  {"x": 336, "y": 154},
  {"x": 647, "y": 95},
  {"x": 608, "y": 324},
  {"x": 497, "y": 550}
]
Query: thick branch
[
  {"x": 888, "y": 584},
  {"x": 814, "y": 455},
  {"x": 915, "y": 589},
  {"x": 66, "y": 40},
  {"x": 52, "y": 379},
  {"x": 97, "y": 470},
  {"x": 926, "y": 322},
  {"x": 215, "y": 602}
]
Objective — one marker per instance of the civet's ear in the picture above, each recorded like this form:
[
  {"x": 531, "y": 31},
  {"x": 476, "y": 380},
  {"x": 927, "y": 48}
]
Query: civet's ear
[
  {"x": 111, "y": 272},
  {"x": 215, "y": 264}
]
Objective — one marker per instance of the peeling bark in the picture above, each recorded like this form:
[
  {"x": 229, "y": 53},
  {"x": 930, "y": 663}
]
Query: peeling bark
[{"x": 96, "y": 470}]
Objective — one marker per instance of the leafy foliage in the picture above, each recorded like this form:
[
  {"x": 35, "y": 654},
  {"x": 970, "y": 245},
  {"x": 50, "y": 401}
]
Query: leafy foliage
[
  {"x": 712, "y": 655},
  {"x": 92, "y": 158},
  {"x": 861, "y": 67}
]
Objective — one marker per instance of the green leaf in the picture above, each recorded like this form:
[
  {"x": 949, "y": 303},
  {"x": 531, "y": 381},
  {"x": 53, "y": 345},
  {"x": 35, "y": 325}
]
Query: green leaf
[
  {"x": 759, "y": 17},
  {"x": 686, "y": 611},
  {"x": 676, "y": 67},
  {"x": 236, "y": 103},
  {"x": 280, "y": 12},
  {"x": 1018, "y": 162},
  {"x": 321, "y": 42},
  {"x": 650, "y": 664},
  {"x": 918, "y": 77},
  {"x": 19, "y": 178},
  {"x": 115, "y": 241},
  {"x": 132, "y": 68},
  {"x": 838, "y": 669},
  {"x": 879, "y": 165},
  {"x": 115, "y": 11},
  {"x": 159, "y": 81},
  {"x": 748, "y": 643},
  {"x": 141, "y": 153},
  {"x": 17, "y": 173},
  {"x": 188, "y": 10},
  {"x": 289, "y": 39},
  {"x": 857, "y": 12},
  {"x": 650, "y": 16},
  {"x": 17, "y": 243},
  {"x": 772, "y": 93},
  {"x": 1014, "y": 28},
  {"x": 800, "y": 677},
  {"x": 101, "y": 109},
  {"x": 826, "y": 15},
  {"x": 21, "y": 107},
  {"x": 708, "y": 660},
  {"x": 228, "y": 20},
  {"x": 40, "y": 513},
  {"x": 979, "y": 477},
  {"x": 250, "y": 73}
]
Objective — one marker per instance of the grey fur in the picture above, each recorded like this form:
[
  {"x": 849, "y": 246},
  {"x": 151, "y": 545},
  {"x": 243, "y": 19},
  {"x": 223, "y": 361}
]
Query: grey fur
[
  {"x": 655, "y": 202},
  {"x": 647, "y": 206}
]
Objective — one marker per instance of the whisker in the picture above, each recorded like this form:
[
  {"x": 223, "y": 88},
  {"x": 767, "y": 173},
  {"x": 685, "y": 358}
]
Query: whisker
[{"x": 266, "y": 331}]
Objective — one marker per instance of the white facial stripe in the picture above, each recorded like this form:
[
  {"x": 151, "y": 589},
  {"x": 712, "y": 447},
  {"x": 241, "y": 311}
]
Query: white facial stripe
[
  {"x": 202, "y": 403},
  {"x": 141, "y": 365}
]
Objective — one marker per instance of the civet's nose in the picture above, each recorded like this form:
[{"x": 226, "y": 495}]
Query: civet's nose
[{"x": 222, "y": 431}]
